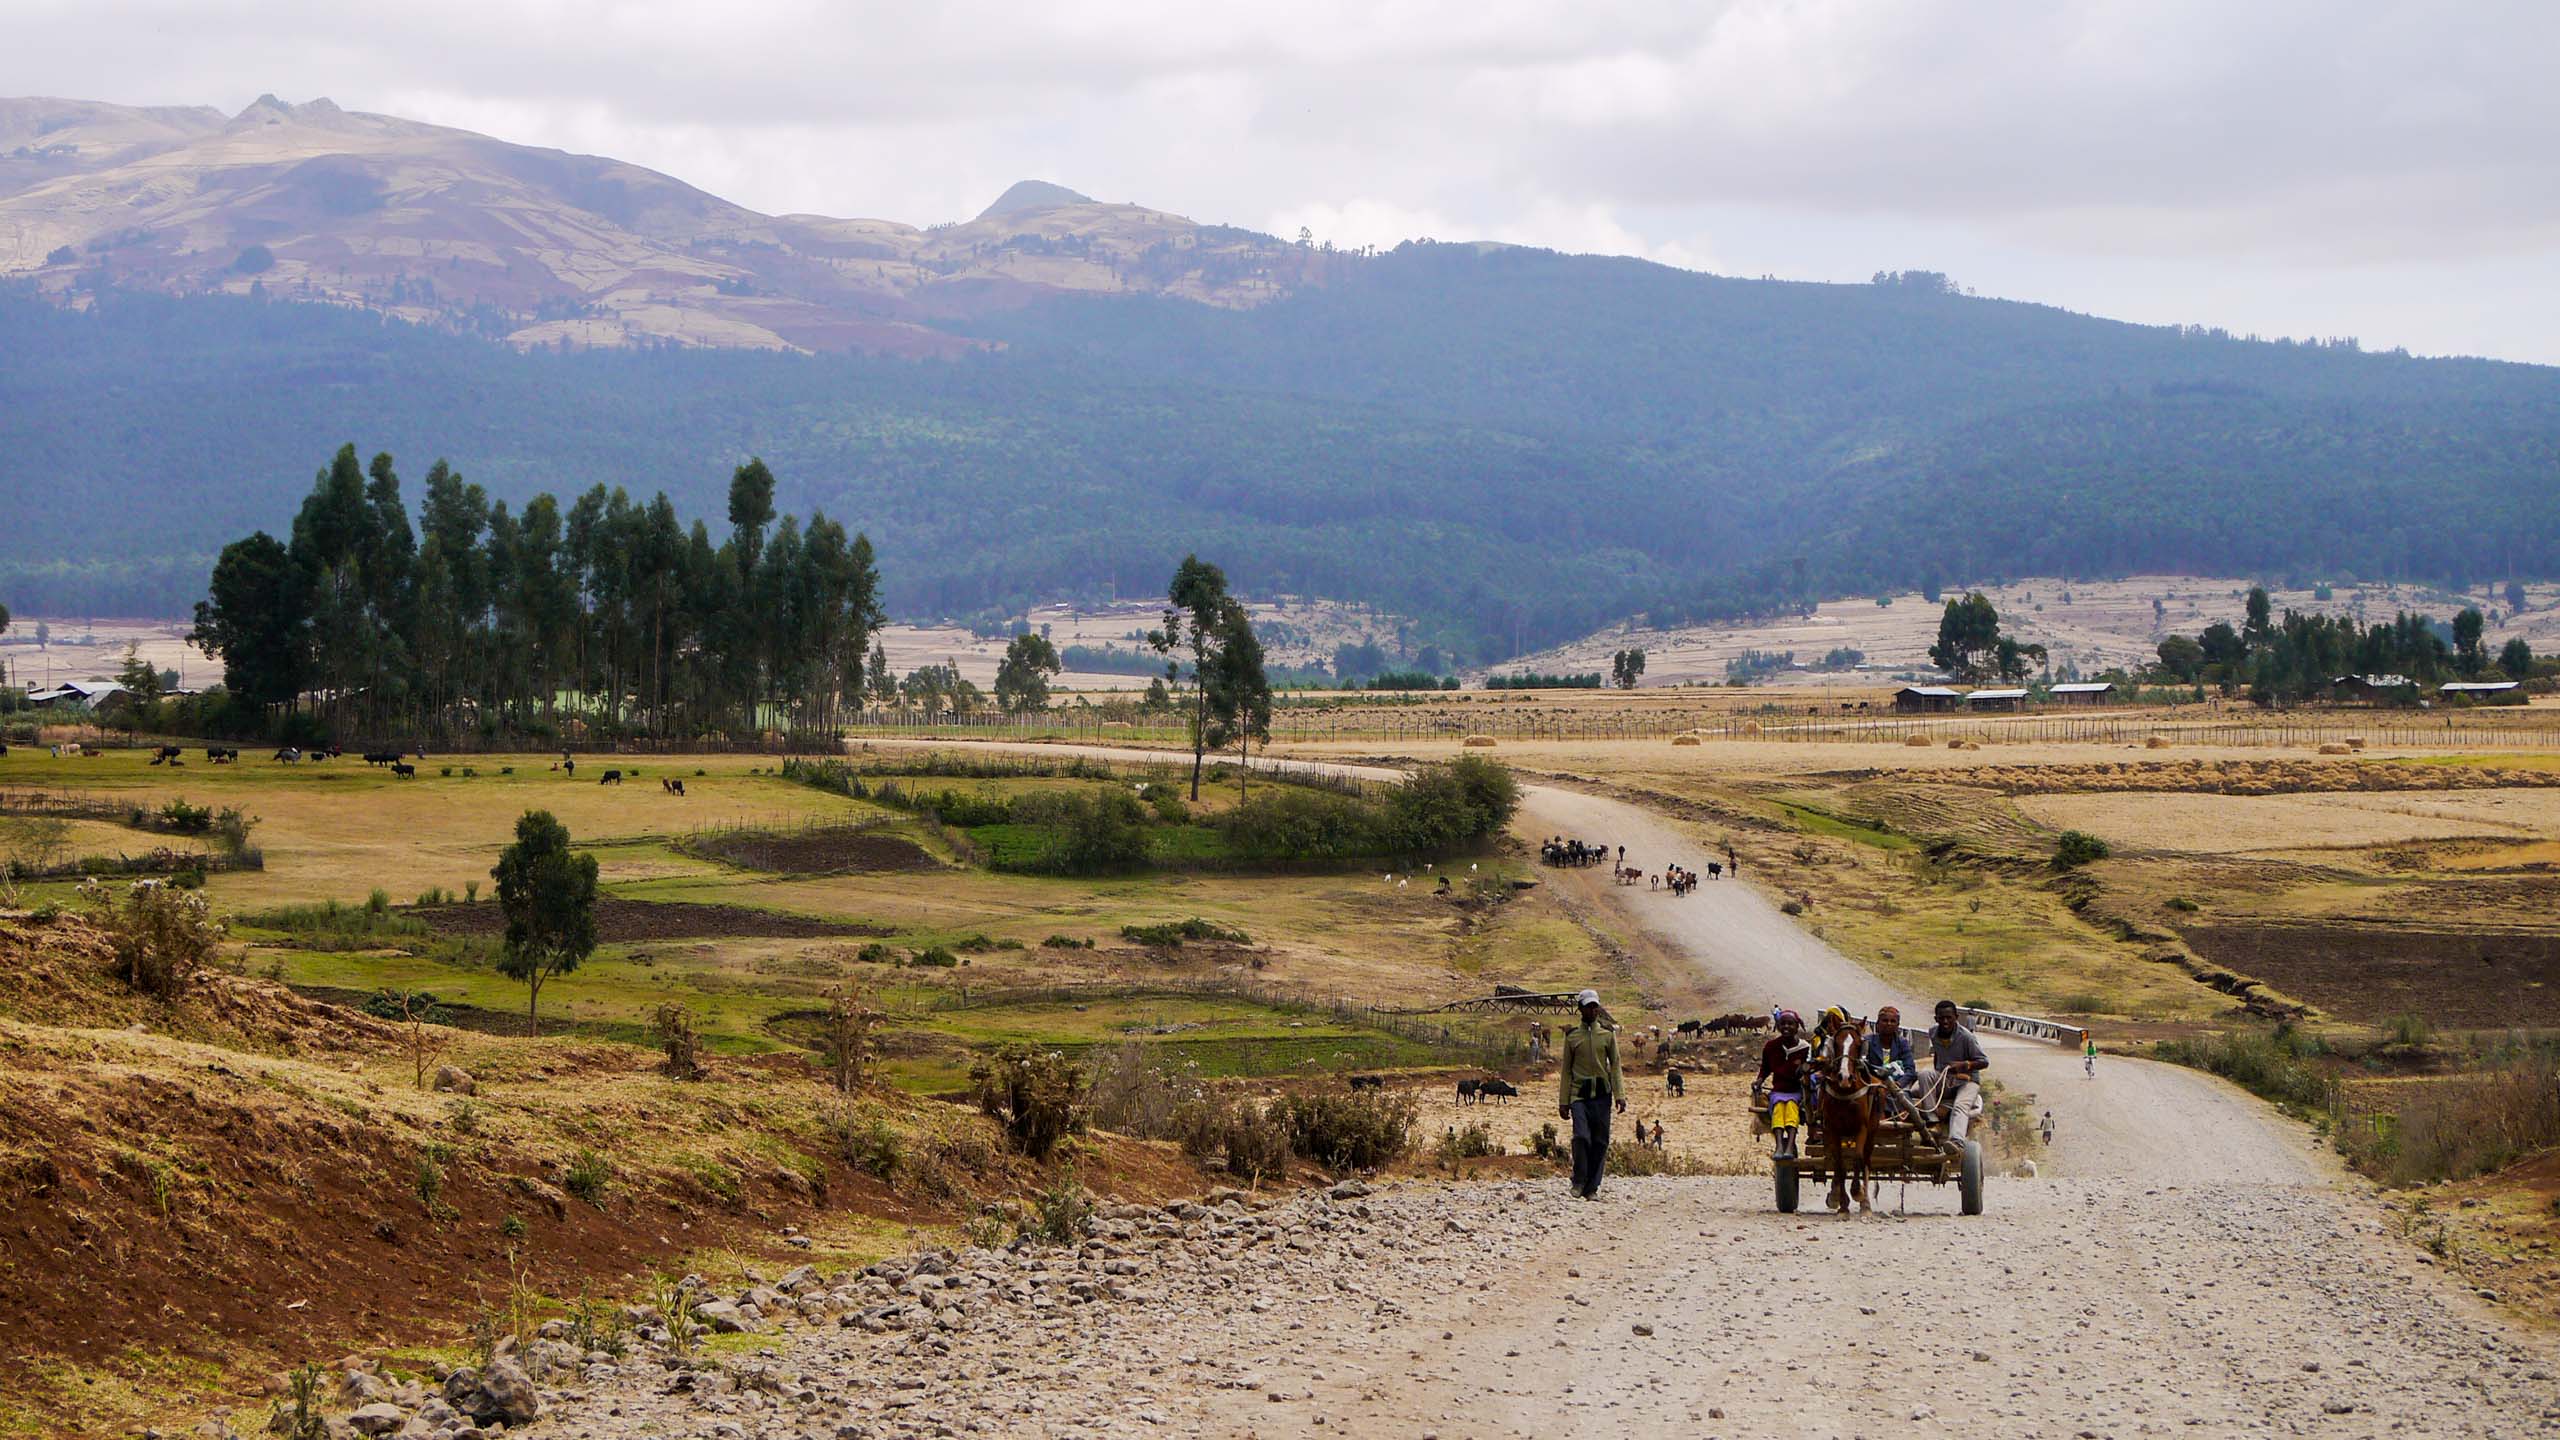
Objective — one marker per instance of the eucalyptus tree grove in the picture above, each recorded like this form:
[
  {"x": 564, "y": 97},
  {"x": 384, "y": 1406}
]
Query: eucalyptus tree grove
[{"x": 607, "y": 617}]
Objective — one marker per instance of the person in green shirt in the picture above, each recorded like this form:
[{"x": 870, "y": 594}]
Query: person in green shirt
[{"x": 1589, "y": 1085}]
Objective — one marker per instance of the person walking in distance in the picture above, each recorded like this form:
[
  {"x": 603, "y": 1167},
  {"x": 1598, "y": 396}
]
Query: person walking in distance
[
  {"x": 1589, "y": 1085},
  {"x": 2089, "y": 1057},
  {"x": 2048, "y": 1128}
]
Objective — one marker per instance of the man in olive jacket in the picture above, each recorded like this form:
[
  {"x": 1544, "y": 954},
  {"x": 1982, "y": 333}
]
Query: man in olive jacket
[{"x": 1589, "y": 1085}]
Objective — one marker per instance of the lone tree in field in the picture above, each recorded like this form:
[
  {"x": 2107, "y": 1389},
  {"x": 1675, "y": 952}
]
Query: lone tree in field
[
  {"x": 549, "y": 896},
  {"x": 2516, "y": 659},
  {"x": 1626, "y": 668},
  {"x": 1022, "y": 678},
  {"x": 1968, "y": 635},
  {"x": 1195, "y": 621},
  {"x": 1237, "y": 691},
  {"x": 2468, "y": 650}
]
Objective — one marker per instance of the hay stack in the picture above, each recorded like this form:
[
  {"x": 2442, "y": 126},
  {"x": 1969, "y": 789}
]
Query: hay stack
[
  {"x": 2155, "y": 742},
  {"x": 1750, "y": 727},
  {"x": 1684, "y": 739},
  {"x": 1479, "y": 742},
  {"x": 1920, "y": 740},
  {"x": 2332, "y": 747},
  {"x": 2355, "y": 742}
]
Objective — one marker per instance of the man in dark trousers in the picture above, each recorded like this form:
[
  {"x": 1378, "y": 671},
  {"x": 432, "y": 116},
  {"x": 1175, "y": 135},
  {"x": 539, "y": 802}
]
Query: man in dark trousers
[{"x": 1589, "y": 1085}]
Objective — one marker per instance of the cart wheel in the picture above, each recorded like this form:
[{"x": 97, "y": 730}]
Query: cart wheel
[
  {"x": 1786, "y": 1188},
  {"x": 1969, "y": 1179}
]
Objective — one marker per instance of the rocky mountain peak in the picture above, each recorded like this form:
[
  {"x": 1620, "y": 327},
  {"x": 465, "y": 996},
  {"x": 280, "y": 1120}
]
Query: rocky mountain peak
[{"x": 1025, "y": 195}]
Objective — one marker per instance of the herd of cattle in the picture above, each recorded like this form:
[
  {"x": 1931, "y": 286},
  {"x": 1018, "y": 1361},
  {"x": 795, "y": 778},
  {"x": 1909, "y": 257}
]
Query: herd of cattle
[
  {"x": 1477, "y": 1091},
  {"x": 1470, "y": 1092},
  {"x": 398, "y": 760}
]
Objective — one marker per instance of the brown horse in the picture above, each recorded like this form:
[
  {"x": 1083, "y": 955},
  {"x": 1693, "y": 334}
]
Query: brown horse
[{"x": 1852, "y": 1110}]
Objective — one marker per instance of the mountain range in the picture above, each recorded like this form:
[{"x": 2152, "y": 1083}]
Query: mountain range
[
  {"x": 537, "y": 246},
  {"x": 1060, "y": 398}
]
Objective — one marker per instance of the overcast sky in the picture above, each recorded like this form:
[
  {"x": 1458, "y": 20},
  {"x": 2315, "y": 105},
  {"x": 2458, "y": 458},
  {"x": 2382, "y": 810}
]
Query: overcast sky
[{"x": 2332, "y": 167}]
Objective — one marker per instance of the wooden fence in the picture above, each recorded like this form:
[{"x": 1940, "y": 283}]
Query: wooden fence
[{"x": 2464, "y": 730}]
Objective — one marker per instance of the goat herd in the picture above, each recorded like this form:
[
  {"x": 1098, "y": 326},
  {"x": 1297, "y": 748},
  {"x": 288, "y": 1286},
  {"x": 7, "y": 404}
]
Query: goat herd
[{"x": 1678, "y": 879}]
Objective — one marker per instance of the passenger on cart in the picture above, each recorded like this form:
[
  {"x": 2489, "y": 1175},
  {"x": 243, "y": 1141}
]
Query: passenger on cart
[
  {"x": 1889, "y": 1053},
  {"x": 1952, "y": 1092},
  {"x": 1781, "y": 1079}
]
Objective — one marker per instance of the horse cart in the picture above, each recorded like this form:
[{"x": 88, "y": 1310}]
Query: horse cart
[{"x": 1904, "y": 1151}]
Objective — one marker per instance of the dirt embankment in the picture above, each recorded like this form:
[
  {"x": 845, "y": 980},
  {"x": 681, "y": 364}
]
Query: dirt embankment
[
  {"x": 840, "y": 850},
  {"x": 620, "y": 921},
  {"x": 225, "y": 1185},
  {"x": 2244, "y": 777}
]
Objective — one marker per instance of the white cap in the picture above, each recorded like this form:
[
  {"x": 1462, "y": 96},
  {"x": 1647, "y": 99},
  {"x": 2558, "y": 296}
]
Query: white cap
[{"x": 1587, "y": 997}]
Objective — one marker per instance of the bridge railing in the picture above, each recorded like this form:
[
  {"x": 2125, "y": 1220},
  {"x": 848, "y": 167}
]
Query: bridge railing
[{"x": 2030, "y": 1027}]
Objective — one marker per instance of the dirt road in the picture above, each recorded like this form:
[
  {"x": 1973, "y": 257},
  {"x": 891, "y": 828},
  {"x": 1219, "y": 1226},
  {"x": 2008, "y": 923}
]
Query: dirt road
[
  {"x": 2138, "y": 1119},
  {"x": 2189, "y": 1265}
]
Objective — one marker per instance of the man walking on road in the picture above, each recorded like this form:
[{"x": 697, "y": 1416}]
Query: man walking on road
[
  {"x": 2089, "y": 1056},
  {"x": 1588, "y": 1085}
]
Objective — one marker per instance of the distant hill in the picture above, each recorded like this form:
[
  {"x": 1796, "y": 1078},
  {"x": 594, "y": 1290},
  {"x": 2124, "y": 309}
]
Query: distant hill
[
  {"x": 1024, "y": 195},
  {"x": 540, "y": 247},
  {"x": 1063, "y": 397}
]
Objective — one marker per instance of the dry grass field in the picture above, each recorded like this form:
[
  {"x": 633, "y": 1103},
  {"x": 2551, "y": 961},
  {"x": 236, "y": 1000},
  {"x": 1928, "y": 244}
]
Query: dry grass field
[{"x": 2090, "y": 624}]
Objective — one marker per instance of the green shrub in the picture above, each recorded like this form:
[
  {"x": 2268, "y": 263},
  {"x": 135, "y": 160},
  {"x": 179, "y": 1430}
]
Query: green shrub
[
  {"x": 876, "y": 953},
  {"x": 2182, "y": 903},
  {"x": 1097, "y": 830},
  {"x": 1472, "y": 1143},
  {"x": 1039, "y": 1096},
  {"x": 186, "y": 819},
  {"x": 588, "y": 1177},
  {"x": 1248, "y": 1141},
  {"x": 2077, "y": 848},
  {"x": 161, "y": 935},
  {"x": 1065, "y": 942},
  {"x": 1170, "y": 934},
  {"x": 1361, "y": 1130},
  {"x": 873, "y": 1148},
  {"x": 2268, "y": 1063},
  {"x": 1449, "y": 806},
  {"x": 1060, "y": 1214},
  {"x": 1288, "y": 823},
  {"x": 936, "y": 957}
]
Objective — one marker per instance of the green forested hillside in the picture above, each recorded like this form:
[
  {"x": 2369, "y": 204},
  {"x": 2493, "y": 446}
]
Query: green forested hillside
[{"x": 1514, "y": 445}]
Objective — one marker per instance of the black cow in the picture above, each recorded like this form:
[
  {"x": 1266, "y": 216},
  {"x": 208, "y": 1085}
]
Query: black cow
[
  {"x": 404, "y": 770},
  {"x": 382, "y": 757},
  {"x": 569, "y": 765},
  {"x": 1467, "y": 1091},
  {"x": 1368, "y": 1082},
  {"x": 164, "y": 754},
  {"x": 611, "y": 777},
  {"x": 1496, "y": 1089},
  {"x": 221, "y": 754},
  {"x": 1672, "y": 1081},
  {"x": 676, "y": 787}
]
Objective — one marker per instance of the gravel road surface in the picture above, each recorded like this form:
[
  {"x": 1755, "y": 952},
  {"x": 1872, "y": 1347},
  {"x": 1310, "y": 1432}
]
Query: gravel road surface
[{"x": 2190, "y": 1264}]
